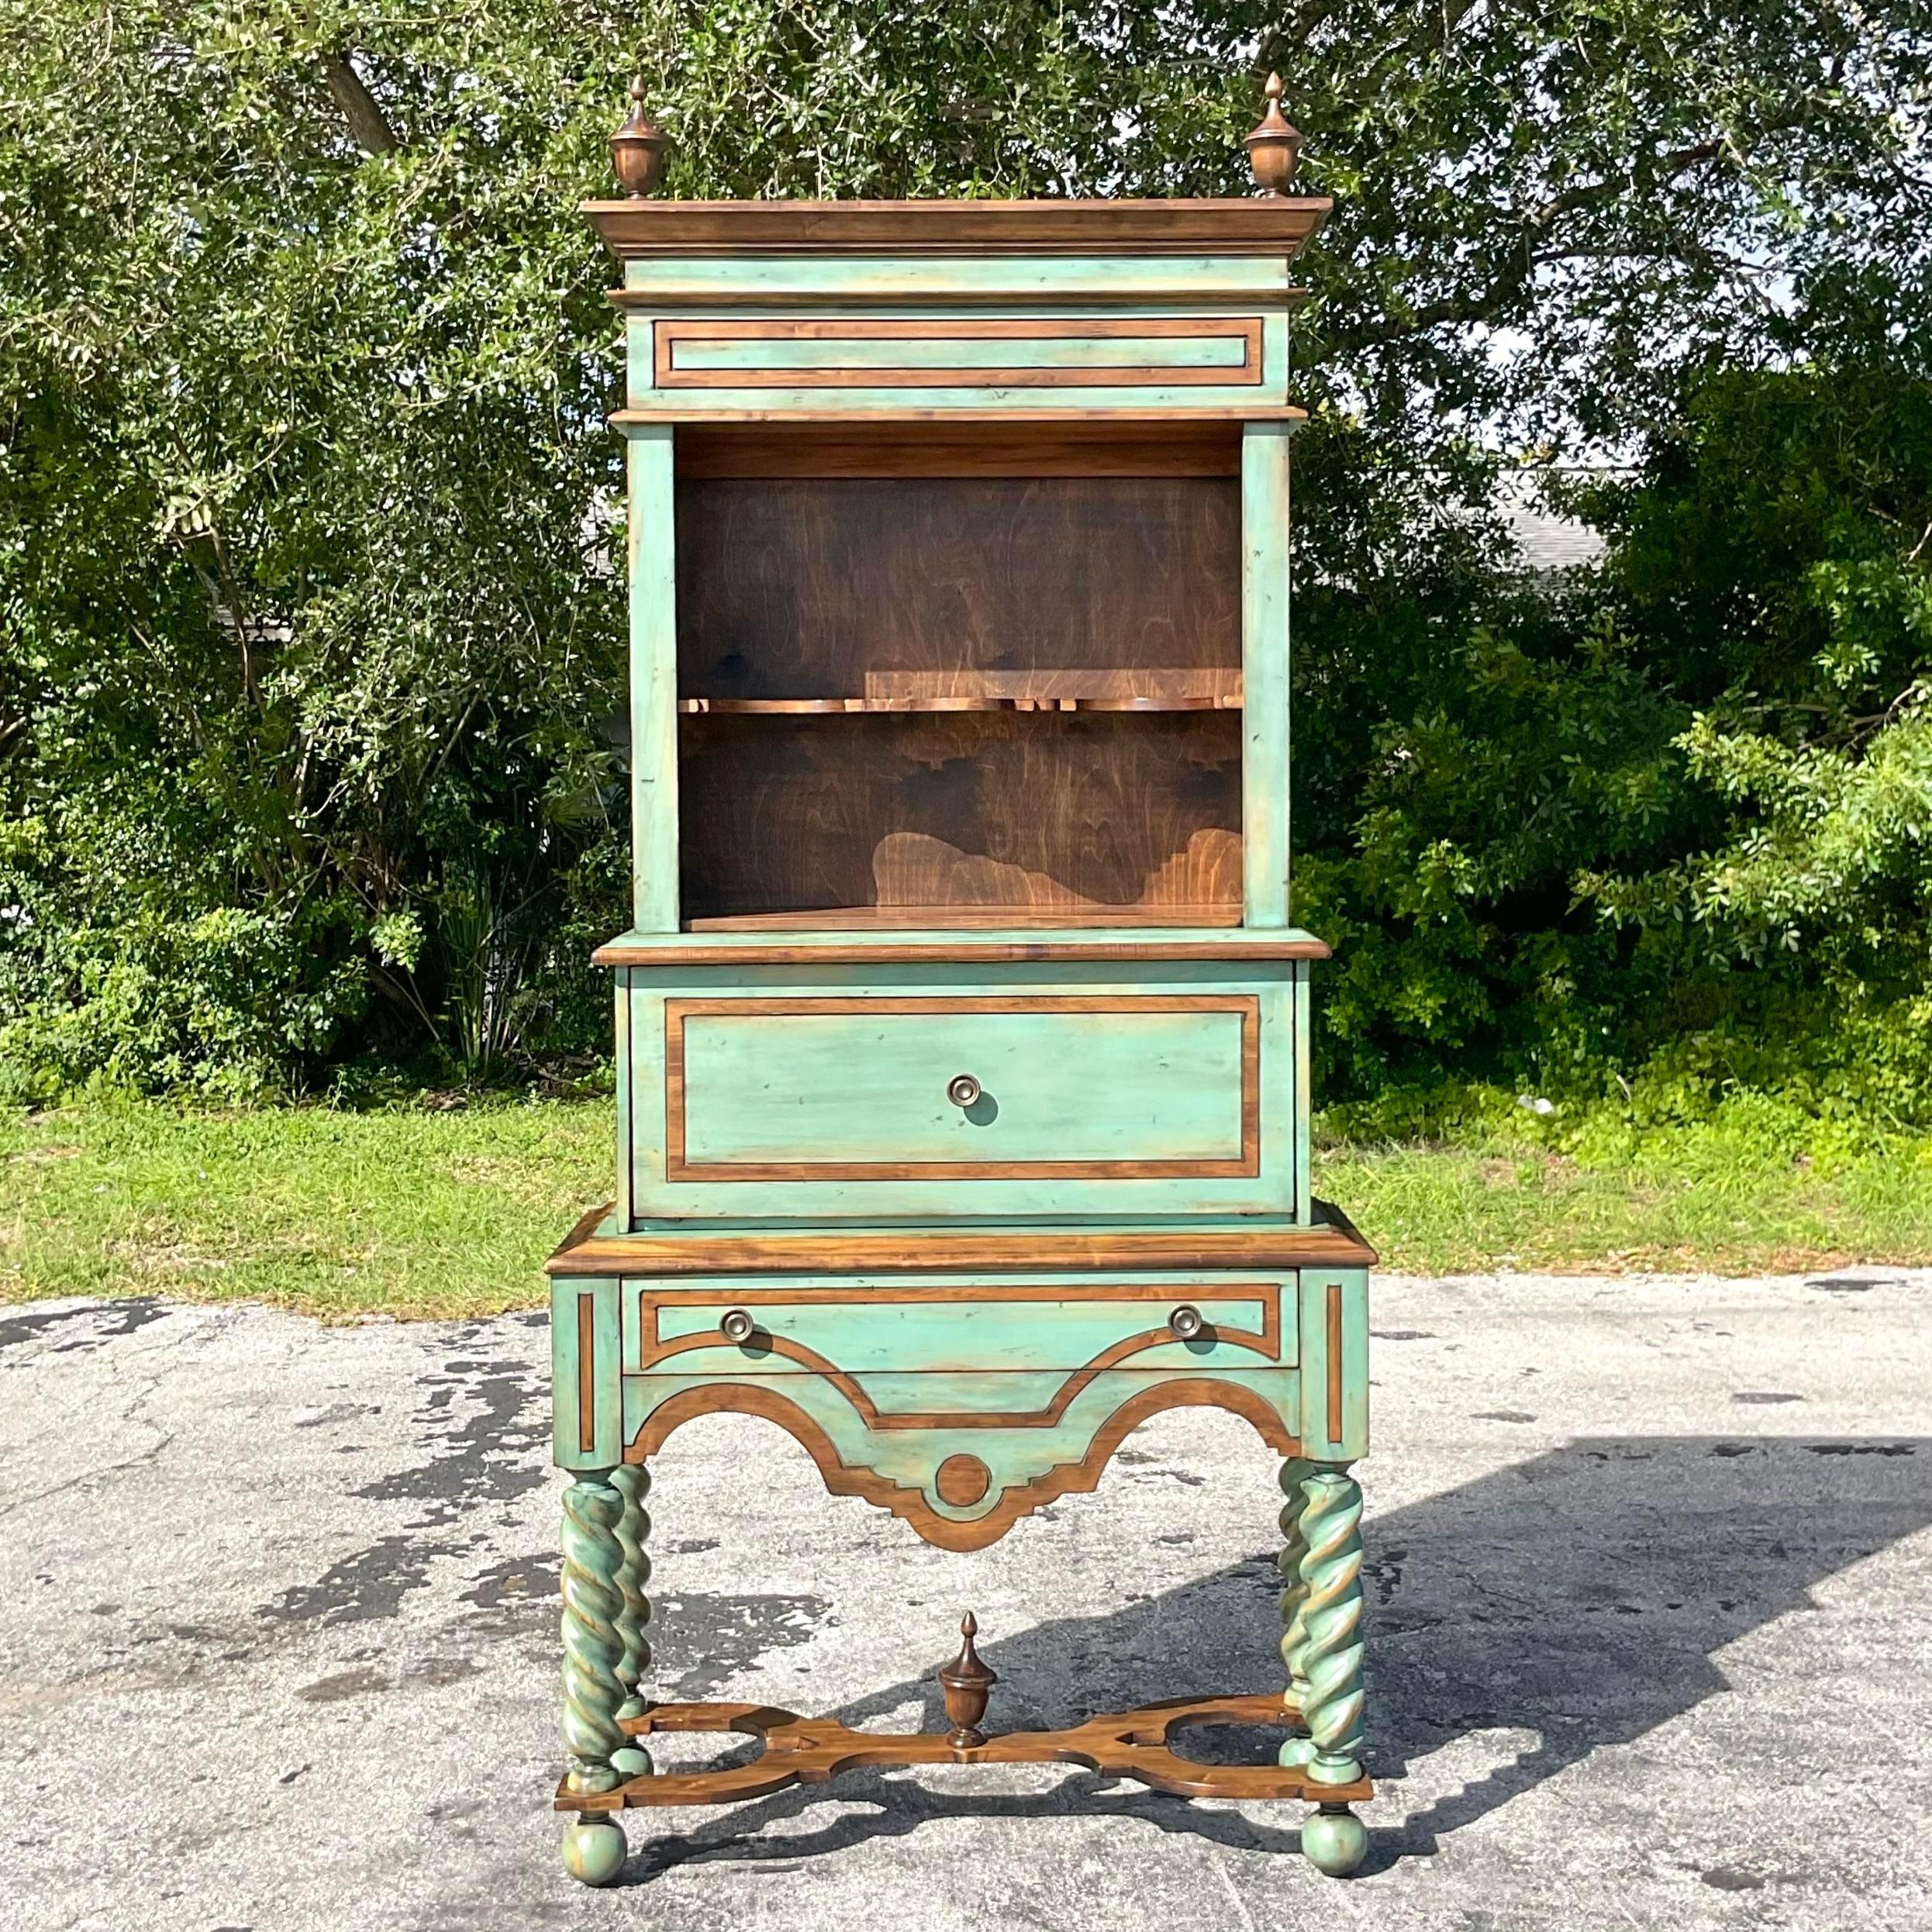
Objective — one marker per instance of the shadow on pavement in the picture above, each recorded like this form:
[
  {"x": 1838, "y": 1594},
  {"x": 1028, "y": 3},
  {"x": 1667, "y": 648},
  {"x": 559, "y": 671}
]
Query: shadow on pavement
[{"x": 1580, "y": 1596}]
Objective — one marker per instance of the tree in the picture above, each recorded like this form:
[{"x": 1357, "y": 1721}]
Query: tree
[{"x": 311, "y": 643}]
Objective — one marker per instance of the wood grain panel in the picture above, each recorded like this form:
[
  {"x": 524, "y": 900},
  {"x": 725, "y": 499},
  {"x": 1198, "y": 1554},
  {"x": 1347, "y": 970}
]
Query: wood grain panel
[
  {"x": 797, "y": 587},
  {"x": 680, "y": 1167},
  {"x": 1099, "y": 447},
  {"x": 694, "y": 1250},
  {"x": 1072, "y": 813},
  {"x": 1273, "y": 225},
  {"x": 973, "y": 938},
  {"x": 890, "y": 919},
  {"x": 815, "y": 1749}
]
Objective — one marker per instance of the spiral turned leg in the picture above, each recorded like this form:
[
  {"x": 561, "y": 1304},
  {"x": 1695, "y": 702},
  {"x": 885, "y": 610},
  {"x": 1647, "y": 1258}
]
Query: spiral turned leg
[
  {"x": 594, "y": 1649},
  {"x": 1329, "y": 1657},
  {"x": 633, "y": 1483},
  {"x": 1296, "y": 1750}
]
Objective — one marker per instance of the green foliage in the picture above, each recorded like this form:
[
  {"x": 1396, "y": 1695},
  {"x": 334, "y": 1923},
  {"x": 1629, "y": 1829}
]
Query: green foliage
[
  {"x": 310, "y": 641},
  {"x": 423, "y": 1213}
]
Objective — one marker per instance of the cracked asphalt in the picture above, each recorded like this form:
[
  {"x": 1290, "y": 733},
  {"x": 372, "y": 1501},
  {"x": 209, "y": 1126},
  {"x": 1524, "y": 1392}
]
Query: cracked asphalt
[{"x": 1648, "y": 1563}]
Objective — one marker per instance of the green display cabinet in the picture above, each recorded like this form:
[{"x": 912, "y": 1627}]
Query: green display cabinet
[{"x": 962, "y": 1030}]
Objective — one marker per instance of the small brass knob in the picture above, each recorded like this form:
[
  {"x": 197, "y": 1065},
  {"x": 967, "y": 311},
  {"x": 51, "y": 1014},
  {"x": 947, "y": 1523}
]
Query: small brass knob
[
  {"x": 962, "y": 1090},
  {"x": 1186, "y": 1322},
  {"x": 739, "y": 1327}
]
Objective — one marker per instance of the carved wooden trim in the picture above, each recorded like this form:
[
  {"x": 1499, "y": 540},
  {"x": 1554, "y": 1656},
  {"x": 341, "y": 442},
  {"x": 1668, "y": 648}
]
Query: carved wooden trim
[
  {"x": 1334, "y": 1317},
  {"x": 586, "y": 1374},
  {"x": 944, "y": 1249},
  {"x": 1240, "y": 410},
  {"x": 668, "y": 332},
  {"x": 1245, "y": 1166},
  {"x": 1267, "y": 1343},
  {"x": 812, "y": 1750},
  {"x": 1069, "y": 1478},
  {"x": 962, "y": 1481},
  {"x": 1275, "y": 226},
  {"x": 971, "y": 948}
]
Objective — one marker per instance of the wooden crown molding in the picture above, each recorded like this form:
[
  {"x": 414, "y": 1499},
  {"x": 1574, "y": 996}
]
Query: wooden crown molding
[{"x": 1278, "y": 226}]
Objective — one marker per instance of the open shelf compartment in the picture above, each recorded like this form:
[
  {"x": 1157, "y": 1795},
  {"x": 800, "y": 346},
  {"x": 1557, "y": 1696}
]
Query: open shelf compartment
[{"x": 957, "y": 690}]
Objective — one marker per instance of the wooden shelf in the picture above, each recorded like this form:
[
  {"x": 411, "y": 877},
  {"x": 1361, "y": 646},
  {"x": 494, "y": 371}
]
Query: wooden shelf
[
  {"x": 843, "y": 707},
  {"x": 924, "y": 691},
  {"x": 939, "y": 919}
]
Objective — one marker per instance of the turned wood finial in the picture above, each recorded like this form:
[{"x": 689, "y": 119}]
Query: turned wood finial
[
  {"x": 1274, "y": 146},
  {"x": 637, "y": 148},
  {"x": 968, "y": 1684}
]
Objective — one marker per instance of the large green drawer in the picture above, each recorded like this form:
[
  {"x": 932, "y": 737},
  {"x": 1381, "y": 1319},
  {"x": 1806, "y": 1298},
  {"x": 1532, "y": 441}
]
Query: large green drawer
[{"x": 1028, "y": 1096}]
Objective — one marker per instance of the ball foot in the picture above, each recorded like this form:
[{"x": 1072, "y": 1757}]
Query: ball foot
[
  {"x": 1335, "y": 1840},
  {"x": 632, "y": 1761},
  {"x": 594, "y": 1851},
  {"x": 1295, "y": 1750}
]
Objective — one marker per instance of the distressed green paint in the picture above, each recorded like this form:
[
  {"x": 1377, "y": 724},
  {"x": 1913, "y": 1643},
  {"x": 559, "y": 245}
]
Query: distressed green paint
[
  {"x": 1034, "y": 1324},
  {"x": 1150, "y": 1085},
  {"x": 654, "y": 681},
  {"x": 1334, "y": 1840},
  {"x": 1353, "y": 1441},
  {"x": 1204, "y": 351},
  {"x": 937, "y": 284},
  {"x": 1304, "y": 1098},
  {"x": 631, "y": 1482},
  {"x": 665, "y": 406},
  {"x": 871, "y": 1332},
  {"x": 593, "y": 1643},
  {"x": 607, "y": 1446},
  {"x": 1067, "y": 1088},
  {"x": 1329, "y": 1653},
  {"x": 910, "y": 1457},
  {"x": 626, "y": 1091},
  {"x": 595, "y": 1849},
  {"x": 1293, "y": 1602},
  {"x": 1265, "y": 502}
]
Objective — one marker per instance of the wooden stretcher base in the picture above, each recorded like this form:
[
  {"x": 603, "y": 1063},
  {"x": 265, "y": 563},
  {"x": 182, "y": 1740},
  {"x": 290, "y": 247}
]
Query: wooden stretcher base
[{"x": 813, "y": 1751}]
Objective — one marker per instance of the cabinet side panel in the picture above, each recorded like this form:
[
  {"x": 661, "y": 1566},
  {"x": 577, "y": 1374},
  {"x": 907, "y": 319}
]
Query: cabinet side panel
[
  {"x": 1264, "y": 505},
  {"x": 626, "y": 1087},
  {"x": 654, "y": 683},
  {"x": 1304, "y": 1097}
]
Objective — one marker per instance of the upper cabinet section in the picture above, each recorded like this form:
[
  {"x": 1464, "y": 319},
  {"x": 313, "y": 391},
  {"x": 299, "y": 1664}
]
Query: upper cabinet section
[{"x": 752, "y": 311}]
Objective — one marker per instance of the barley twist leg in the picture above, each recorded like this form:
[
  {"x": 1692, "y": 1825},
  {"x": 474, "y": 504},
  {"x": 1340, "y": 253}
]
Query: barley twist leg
[
  {"x": 594, "y": 1848},
  {"x": 1295, "y": 1750},
  {"x": 1331, "y": 1658},
  {"x": 631, "y": 1482}
]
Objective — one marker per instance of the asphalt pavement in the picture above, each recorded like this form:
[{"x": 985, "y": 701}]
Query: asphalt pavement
[{"x": 1648, "y": 1564}]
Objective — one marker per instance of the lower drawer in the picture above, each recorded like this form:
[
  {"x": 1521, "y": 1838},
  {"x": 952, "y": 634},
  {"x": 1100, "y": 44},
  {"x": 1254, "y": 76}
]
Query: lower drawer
[{"x": 954, "y": 1326}]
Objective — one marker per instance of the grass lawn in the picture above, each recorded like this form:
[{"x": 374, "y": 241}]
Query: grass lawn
[{"x": 421, "y": 1213}]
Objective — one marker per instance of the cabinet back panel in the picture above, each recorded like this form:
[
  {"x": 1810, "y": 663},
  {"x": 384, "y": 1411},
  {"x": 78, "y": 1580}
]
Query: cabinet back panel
[
  {"x": 797, "y": 587},
  {"x": 973, "y": 809}
]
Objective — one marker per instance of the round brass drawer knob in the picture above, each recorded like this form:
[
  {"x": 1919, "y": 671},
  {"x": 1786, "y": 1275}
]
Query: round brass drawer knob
[
  {"x": 1186, "y": 1322},
  {"x": 739, "y": 1327},
  {"x": 962, "y": 1090}
]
